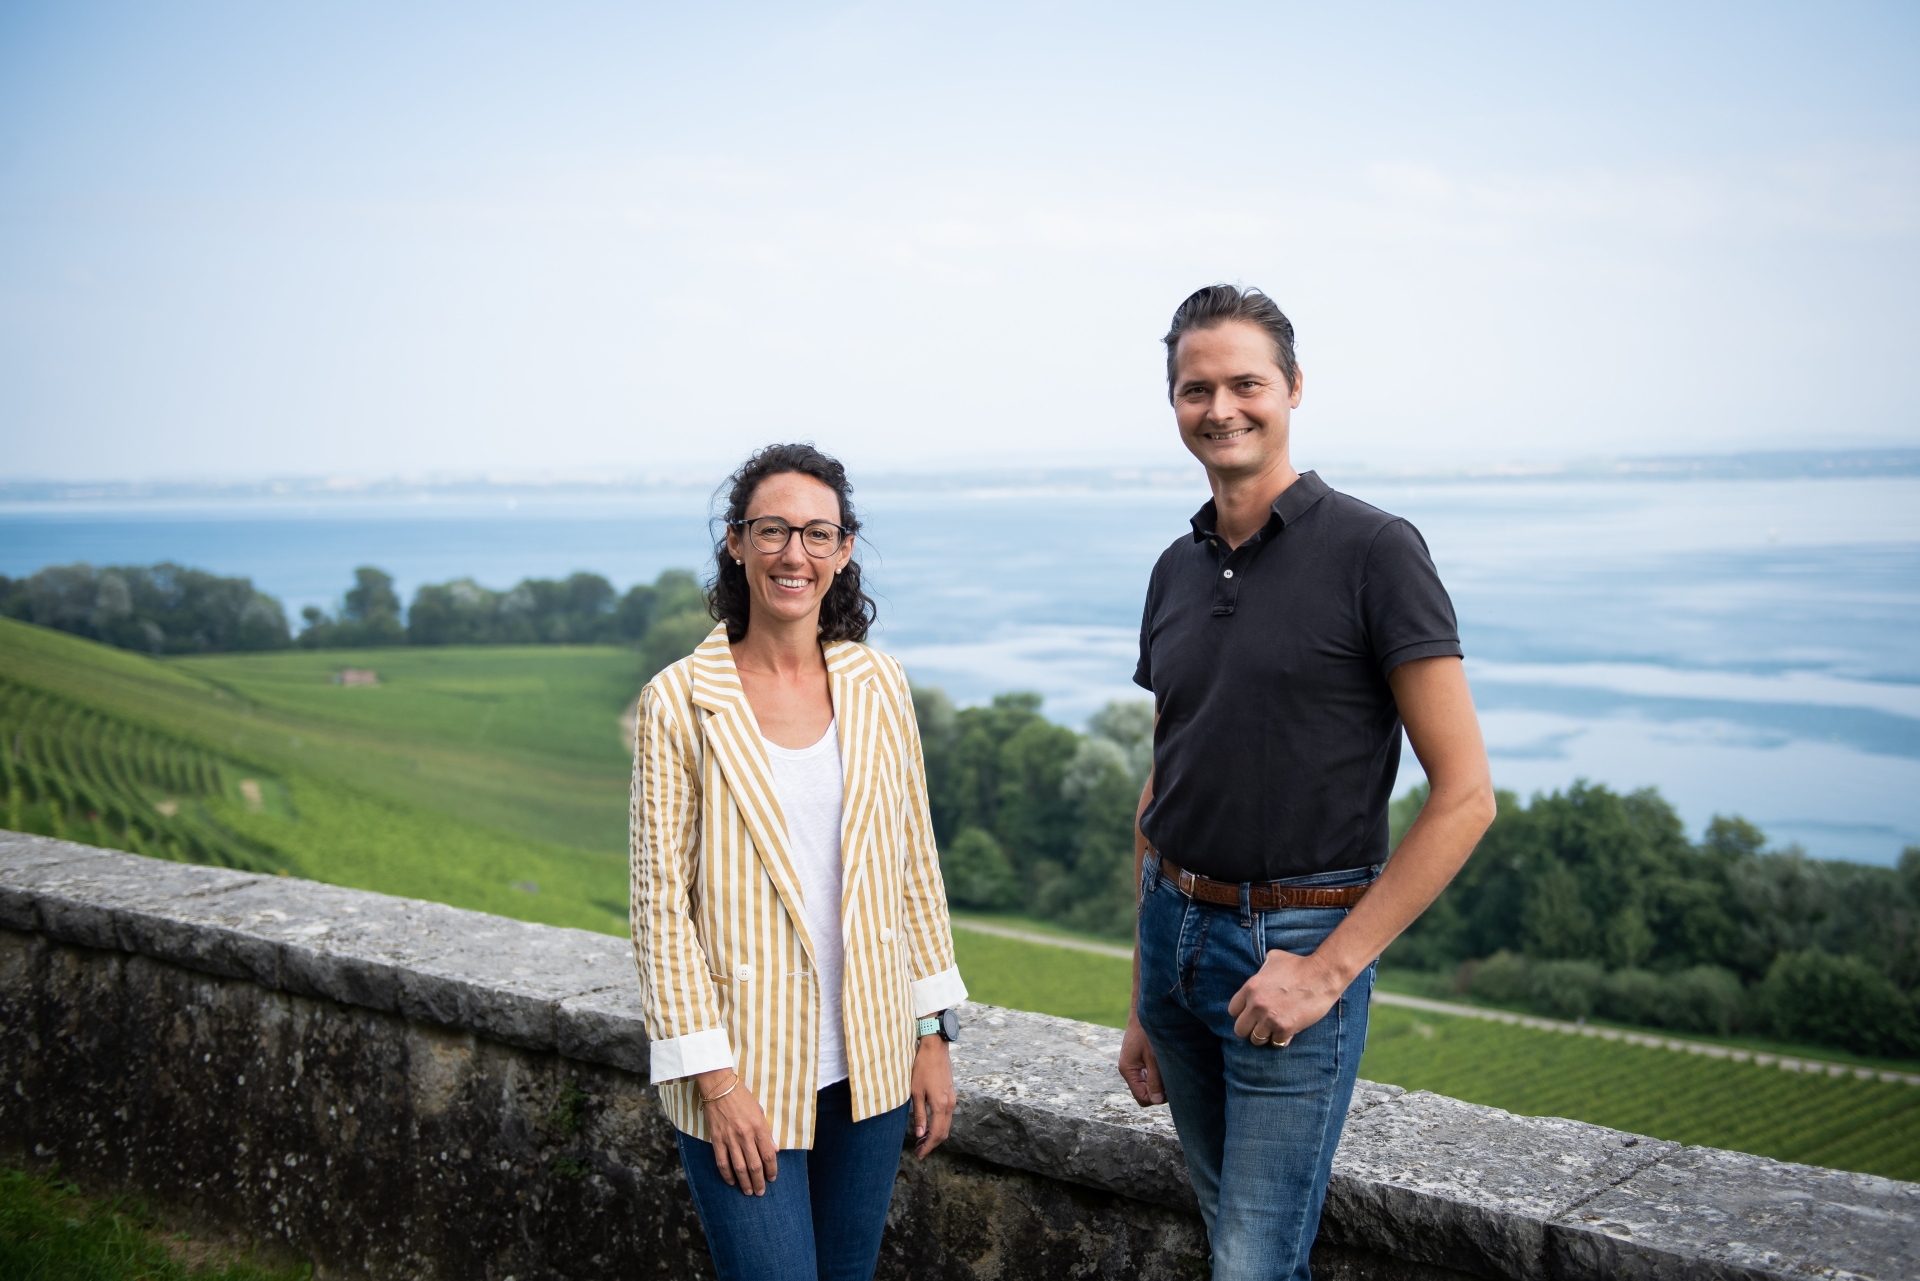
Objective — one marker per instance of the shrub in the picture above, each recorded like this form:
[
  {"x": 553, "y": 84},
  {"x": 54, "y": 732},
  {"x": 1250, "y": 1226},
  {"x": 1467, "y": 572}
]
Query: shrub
[
  {"x": 1635, "y": 996},
  {"x": 977, "y": 872},
  {"x": 1838, "y": 1000},
  {"x": 1566, "y": 989},
  {"x": 1502, "y": 978},
  {"x": 1706, "y": 998}
]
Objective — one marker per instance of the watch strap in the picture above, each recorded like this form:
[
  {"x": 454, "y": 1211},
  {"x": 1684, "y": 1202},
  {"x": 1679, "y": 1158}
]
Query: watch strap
[{"x": 928, "y": 1026}]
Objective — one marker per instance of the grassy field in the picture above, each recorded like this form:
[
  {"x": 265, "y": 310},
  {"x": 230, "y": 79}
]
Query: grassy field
[
  {"x": 487, "y": 778},
  {"x": 49, "y": 1232},
  {"x": 1870, "y": 1126},
  {"x": 1053, "y": 980}
]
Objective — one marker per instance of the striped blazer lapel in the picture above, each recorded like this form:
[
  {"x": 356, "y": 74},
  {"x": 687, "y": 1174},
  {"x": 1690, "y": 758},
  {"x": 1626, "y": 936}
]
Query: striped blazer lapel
[
  {"x": 863, "y": 734},
  {"x": 733, "y": 736}
]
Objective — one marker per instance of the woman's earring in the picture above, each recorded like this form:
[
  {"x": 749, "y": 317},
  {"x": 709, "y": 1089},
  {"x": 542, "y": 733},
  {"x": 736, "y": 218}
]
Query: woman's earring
[{"x": 738, "y": 561}]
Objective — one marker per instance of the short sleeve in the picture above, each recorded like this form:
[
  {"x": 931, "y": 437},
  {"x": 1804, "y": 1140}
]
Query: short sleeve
[
  {"x": 1143, "y": 670},
  {"x": 1407, "y": 612}
]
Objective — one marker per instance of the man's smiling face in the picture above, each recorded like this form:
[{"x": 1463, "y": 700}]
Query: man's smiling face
[{"x": 1232, "y": 401}]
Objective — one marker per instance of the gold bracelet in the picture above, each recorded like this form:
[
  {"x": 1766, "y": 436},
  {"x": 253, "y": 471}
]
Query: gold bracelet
[{"x": 704, "y": 1100}]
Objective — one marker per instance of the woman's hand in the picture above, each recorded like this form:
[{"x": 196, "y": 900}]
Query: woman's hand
[
  {"x": 932, "y": 1095},
  {"x": 742, "y": 1139}
]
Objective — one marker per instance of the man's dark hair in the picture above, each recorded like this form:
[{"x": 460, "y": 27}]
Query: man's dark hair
[
  {"x": 1216, "y": 305},
  {"x": 847, "y": 612}
]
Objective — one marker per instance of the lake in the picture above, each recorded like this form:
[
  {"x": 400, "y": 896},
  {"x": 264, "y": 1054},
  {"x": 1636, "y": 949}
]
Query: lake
[{"x": 1746, "y": 646}]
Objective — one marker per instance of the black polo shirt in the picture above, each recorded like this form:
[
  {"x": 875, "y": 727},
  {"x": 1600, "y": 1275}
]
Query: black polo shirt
[{"x": 1278, "y": 739}]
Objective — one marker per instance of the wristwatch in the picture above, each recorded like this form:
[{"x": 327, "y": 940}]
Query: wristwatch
[{"x": 946, "y": 1023}]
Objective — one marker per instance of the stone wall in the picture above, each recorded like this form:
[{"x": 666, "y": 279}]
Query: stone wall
[{"x": 400, "y": 1089}]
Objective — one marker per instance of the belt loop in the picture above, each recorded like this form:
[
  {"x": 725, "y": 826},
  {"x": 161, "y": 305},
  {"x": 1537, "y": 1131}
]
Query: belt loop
[
  {"x": 1150, "y": 869},
  {"x": 1246, "y": 903}
]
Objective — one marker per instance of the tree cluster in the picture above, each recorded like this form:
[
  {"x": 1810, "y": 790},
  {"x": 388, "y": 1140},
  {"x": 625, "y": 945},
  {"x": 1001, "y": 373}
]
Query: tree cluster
[
  {"x": 1034, "y": 816},
  {"x": 158, "y": 609},
  {"x": 664, "y": 619},
  {"x": 169, "y": 609},
  {"x": 1589, "y": 902}
]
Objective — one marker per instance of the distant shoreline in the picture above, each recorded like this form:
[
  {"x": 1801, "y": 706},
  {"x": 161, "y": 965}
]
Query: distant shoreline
[{"x": 1840, "y": 464}]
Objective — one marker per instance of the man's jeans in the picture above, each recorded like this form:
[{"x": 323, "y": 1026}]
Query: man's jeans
[
  {"x": 1258, "y": 1124},
  {"x": 820, "y": 1220}
]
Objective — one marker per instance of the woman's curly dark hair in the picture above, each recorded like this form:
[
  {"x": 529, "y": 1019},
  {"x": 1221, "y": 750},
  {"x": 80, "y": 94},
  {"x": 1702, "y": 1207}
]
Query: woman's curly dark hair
[{"x": 847, "y": 612}]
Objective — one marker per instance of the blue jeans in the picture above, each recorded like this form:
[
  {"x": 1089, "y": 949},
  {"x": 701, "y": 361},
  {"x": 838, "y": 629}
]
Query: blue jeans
[
  {"x": 1258, "y": 1124},
  {"x": 821, "y": 1219}
]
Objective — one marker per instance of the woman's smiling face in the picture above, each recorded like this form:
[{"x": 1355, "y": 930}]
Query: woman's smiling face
[{"x": 788, "y": 584}]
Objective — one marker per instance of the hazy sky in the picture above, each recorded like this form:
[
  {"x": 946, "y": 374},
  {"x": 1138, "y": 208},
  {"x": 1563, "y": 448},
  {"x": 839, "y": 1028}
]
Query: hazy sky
[{"x": 254, "y": 239}]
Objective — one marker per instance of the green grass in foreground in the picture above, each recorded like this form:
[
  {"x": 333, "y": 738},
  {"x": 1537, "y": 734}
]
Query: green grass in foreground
[
  {"x": 1848, "y": 1124},
  {"x": 49, "y": 1232}
]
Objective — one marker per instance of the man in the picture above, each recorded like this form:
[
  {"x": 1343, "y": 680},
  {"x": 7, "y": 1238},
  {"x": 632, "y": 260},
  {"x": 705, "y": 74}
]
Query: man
[{"x": 1286, "y": 642}]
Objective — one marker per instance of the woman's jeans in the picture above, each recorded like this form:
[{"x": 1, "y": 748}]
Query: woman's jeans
[
  {"x": 1258, "y": 1124},
  {"x": 821, "y": 1218}
]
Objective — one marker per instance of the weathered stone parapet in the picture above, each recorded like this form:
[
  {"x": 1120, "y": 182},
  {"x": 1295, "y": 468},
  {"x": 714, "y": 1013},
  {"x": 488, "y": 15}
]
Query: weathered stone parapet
[{"x": 398, "y": 1088}]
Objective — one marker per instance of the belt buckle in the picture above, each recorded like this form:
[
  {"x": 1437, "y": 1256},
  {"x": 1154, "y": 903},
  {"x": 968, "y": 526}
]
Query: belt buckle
[{"x": 1185, "y": 882}]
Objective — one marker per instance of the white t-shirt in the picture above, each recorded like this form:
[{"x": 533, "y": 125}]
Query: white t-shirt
[{"x": 811, "y": 790}]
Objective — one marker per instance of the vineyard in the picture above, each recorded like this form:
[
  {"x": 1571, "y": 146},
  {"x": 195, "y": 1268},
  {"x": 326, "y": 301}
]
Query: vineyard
[
  {"x": 491, "y": 778},
  {"x": 1842, "y": 1122},
  {"x": 85, "y": 776}
]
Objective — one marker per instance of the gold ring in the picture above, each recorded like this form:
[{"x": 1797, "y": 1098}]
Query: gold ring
[{"x": 1258, "y": 1040}]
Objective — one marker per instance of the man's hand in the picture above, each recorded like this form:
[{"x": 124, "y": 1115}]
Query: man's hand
[
  {"x": 1138, "y": 1067},
  {"x": 932, "y": 1093},
  {"x": 742, "y": 1139},
  {"x": 1287, "y": 996}
]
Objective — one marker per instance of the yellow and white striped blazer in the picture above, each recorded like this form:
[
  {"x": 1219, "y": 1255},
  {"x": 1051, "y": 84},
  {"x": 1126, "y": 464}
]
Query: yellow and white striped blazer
[{"x": 726, "y": 966}]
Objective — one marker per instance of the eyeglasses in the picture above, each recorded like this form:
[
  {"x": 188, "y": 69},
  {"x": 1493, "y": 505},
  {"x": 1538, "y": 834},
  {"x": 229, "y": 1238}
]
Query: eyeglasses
[{"x": 769, "y": 534}]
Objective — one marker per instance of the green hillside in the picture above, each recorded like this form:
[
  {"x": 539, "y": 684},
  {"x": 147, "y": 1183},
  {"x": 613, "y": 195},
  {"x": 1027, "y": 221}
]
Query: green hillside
[{"x": 493, "y": 778}]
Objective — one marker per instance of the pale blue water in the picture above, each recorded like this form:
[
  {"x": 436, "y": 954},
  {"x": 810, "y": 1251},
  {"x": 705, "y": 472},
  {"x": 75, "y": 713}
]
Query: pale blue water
[{"x": 1746, "y": 646}]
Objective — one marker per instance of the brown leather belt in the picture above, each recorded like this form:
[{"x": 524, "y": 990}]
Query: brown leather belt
[{"x": 1265, "y": 896}]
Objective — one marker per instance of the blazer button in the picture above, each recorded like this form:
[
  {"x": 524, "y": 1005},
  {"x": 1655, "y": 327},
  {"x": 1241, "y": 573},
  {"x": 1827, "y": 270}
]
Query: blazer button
[
  {"x": 743, "y": 972},
  {"x": 886, "y": 934}
]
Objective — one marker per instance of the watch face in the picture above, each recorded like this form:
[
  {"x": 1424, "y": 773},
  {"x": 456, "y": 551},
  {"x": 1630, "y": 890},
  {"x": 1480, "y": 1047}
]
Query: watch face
[{"x": 949, "y": 1025}]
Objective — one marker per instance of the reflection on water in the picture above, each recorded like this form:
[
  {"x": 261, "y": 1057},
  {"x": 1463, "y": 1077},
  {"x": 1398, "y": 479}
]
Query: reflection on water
[{"x": 1743, "y": 645}]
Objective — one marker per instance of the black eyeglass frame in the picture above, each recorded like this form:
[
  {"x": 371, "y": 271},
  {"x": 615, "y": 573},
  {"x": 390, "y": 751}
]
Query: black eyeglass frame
[{"x": 747, "y": 526}]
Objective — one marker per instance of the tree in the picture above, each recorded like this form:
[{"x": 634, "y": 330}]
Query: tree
[
  {"x": 457, "y": 613},
  {"x": 977, "y": 873},
  {"x": 159, "y": 609},
  {"x": 1838, "y": 1000},
  {"x": 369, "y": 616},
  {"x": 1058, "y": 806},
  {"x": 679, "y": 621}
]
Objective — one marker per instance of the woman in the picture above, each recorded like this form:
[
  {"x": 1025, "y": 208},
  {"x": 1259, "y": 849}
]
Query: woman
[{"x": 789, "y": 922}]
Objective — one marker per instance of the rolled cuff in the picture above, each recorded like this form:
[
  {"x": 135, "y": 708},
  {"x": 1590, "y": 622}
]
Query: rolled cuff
[
  {"x": 686, "y": 1055},
  {"x": 1419, "y": 649},
  {"x": 936, "y": 992}
]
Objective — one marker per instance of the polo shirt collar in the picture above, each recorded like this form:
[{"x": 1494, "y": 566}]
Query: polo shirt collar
[{"x": 1293, "y": 503}]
